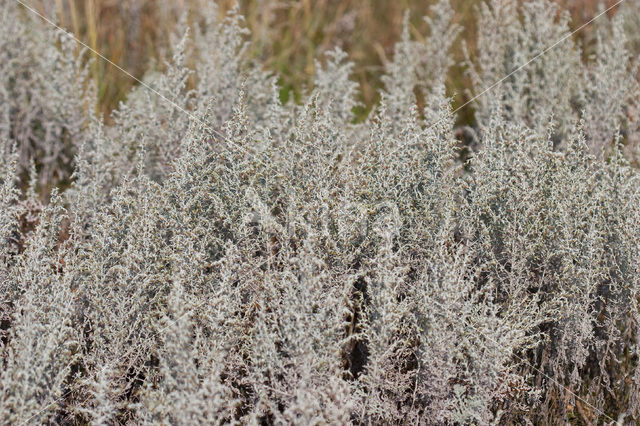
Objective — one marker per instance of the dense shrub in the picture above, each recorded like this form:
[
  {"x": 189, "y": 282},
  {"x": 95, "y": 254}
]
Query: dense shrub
[{"x": 215, "y": 256}]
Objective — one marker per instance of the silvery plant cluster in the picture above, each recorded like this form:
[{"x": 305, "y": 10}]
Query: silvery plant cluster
[{"x": 210, "y": 255}]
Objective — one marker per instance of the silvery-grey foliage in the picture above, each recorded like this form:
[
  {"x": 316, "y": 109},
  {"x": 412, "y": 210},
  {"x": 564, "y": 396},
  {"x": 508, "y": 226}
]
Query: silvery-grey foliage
[
  {"x": 44, "y": 94},
  {"x": 220, "y": 257}
]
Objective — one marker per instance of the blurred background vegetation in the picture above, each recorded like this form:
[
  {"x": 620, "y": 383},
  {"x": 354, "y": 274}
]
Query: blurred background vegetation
[{"x": 287, "y": 36}]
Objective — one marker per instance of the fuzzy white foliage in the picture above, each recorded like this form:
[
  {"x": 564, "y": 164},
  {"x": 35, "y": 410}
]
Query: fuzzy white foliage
[
  {"x": 44, "y": 94},
  {"x": 253, "y": 262}
]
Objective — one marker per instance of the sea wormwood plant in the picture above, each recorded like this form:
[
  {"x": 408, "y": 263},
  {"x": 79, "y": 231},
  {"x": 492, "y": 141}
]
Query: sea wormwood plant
[{"x": 216, "y": 256}]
